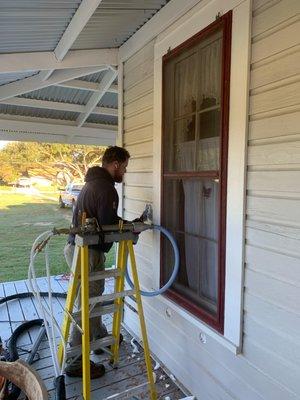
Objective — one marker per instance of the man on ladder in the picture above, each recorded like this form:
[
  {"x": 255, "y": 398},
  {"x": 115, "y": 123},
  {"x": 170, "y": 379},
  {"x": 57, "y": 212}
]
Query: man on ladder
[{"x": 98, "y": 199}]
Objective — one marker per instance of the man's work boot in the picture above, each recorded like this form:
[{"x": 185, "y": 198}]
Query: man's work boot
[
  {"x": 74, "y": 370},
  {"x": 100, "y": 351}
]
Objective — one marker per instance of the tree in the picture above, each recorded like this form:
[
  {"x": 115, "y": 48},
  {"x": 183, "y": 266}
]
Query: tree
[
  {"x": 7, "y": 172},
  {"x": 60, "y": 163}
]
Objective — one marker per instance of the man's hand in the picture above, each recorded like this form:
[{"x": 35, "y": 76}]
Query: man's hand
[
  {"x": 140, "y": 219},
  {"x": 144, "y": 217}
]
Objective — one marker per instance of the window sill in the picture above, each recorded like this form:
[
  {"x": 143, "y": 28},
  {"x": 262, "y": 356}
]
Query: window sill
[{"x": 204, "y": 330}]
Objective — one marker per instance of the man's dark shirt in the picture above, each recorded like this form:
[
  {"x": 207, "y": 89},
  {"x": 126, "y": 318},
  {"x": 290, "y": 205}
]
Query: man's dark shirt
[{"x": 98, "y": 199}]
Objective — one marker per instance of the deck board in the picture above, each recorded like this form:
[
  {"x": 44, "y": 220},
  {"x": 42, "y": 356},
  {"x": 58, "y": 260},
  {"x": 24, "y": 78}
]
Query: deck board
[
  {"x": 130, "y": 374},
  {"x": 5, "y": 325},
  {"x": 28, "y": 308},
  {"x": 16, "y": 315}
]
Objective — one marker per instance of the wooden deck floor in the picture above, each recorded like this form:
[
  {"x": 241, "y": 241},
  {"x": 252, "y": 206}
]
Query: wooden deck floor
[{"x": 129, "y": 375}]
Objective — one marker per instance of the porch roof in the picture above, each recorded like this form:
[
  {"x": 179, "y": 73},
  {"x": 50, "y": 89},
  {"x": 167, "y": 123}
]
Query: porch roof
[{"x": 58, "y": 59}]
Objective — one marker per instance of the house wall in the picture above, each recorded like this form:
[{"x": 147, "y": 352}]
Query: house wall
[
  {"x": 268, "y": 366},
  {"x": 272, "y": 273},
  {"x": 138, "y": 140}
]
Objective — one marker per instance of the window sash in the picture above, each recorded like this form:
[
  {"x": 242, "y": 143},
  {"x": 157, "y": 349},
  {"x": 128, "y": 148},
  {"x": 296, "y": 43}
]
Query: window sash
[{"x": 223, "y": 24}]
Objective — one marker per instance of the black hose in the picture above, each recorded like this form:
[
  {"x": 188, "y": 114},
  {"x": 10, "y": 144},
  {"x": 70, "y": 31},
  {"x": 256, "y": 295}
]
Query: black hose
[
  {"x": 14, "y": 393},
  {"x": 60, "y": 388},
  {"x": 12, "y": 344},
  {"x": 29, "y": 294},
  {"x": 59, "y": 382}
]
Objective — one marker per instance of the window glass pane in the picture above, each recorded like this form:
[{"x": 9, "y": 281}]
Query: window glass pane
[
  {"x": 181, "y": 155},
  {"x": 185, "y": 130},
  {"x": 209, "y": 124},
  {"x": 174, "y": 205},
  {"x": 199, "y": 268},
  {"x": 192, "y": 215},
  {"x": 192, "y": 120},
  {"x": 185, "y": 83},
  {"x": 208, "y": 154},
  {"x": 209, "y": 115},
  {"x": 210, "y": 55},
  {"x": 185, "y": 144},
  {"x": 168, "y": 115}
]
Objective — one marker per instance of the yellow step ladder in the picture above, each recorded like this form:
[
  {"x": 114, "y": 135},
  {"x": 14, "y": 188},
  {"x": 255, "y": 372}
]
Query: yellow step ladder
[{"x": 80, "y": 275}]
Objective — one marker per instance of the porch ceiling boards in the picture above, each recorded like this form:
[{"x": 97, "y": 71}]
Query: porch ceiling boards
[
  {"x": 58, "y": 60},
  {"x": 131, "y": 371}
]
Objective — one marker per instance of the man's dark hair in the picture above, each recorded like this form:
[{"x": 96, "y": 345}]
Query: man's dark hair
[{"x": 115, "y": 153}]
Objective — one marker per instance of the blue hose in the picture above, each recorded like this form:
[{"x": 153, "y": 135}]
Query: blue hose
[{"x": 175, "y": 268}]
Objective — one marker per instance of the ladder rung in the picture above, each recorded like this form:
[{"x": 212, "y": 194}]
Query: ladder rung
[
  {"x": 110, "y": 296},
  {"x": 97, "y": 311},
  {"x": 109, "y": 273},
  {"x": 94, "y": 345}
]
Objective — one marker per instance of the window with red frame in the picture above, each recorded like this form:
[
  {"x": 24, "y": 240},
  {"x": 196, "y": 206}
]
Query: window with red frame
[{"x": 194, "y": 168}]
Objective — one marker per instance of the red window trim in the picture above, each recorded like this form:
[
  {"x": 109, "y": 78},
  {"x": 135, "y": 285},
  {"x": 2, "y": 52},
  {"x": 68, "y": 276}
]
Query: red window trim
[{"x": 225, "y": 23}]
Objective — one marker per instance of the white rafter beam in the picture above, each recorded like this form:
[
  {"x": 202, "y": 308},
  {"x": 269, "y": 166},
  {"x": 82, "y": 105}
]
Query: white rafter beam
[
  {"x": 56, "y": 138},
  {"x": 78, "y": 84},
  {"x": 113, "y": 112},
  {"x": 36, "y": 82},
  {"x": 46, "y": 60},
  {"x": 46, "y": 74},
  {"x": 55, "y": 105},
  {"x": 78, "y": 22},
  {"x": 52, "y": 121},
  {"x": 113, "y": 89},
  {"x": 84, "y": 85},
  {"x": 55, "y": 132},
  {"x": 106, "y": 82}
]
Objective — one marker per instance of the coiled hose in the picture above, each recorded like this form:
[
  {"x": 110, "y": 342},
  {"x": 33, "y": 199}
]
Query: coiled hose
[
  {"x": 15, "y": 392},
  {"x": 175, "y": 268},
  {"x": 60, "y": 387}
]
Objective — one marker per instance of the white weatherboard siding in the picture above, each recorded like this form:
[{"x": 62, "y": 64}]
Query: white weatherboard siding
[
  {"x": 138, "y": 140},
  {"x": 272, "y": 272},
  {"x": 268, "y": 367}
]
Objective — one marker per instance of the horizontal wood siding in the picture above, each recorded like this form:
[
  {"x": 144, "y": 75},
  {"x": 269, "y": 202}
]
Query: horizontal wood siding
[
  {"x": 208, "y": 369},
  {"x": 138, "y": 140},
  {"x": 272, "y": 256},
  {"x": 268, "y": 368}
]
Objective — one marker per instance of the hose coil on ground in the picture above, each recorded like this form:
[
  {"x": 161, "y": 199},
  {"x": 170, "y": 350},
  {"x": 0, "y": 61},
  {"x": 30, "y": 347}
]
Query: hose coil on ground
[{"x": 14, "y": 391}]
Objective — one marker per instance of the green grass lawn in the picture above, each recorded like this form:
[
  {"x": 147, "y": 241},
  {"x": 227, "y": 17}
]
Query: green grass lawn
[{"x": 22, "y": 218}]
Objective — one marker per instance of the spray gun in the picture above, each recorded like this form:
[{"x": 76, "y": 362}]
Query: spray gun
[{"x": 147, "y": 214}]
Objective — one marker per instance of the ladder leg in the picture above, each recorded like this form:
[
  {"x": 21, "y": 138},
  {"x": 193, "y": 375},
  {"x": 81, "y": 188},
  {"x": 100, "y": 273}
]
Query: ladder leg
[
  {"x": 153, "y": 394},
  {"x": 119, "y": 287},
  {"x": 72, "y": 291},
  {"x": 86, "y": 373}
]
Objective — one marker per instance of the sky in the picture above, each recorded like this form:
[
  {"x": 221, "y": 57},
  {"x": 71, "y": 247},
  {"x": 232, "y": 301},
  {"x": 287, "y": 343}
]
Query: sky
[{"x": 3, "y": 143}]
